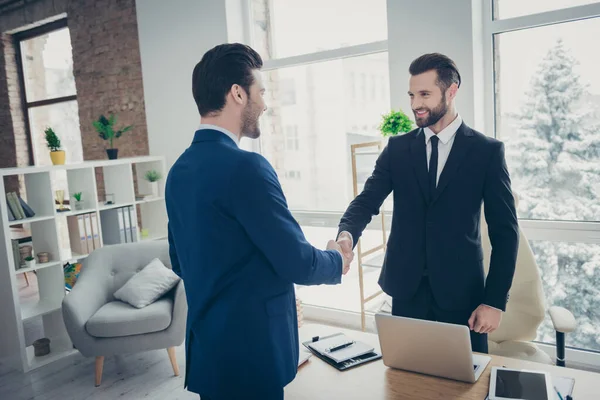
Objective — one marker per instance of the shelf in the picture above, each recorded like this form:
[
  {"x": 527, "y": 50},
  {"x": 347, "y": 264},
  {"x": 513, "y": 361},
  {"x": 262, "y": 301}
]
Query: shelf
[
  {"x": 153, "y": 237},
  {"x": 76, "y": 212},
  {"x": 30, "y": 220},
  {"x": 42, "y": 307},
  {"x": 150, "y": 200},
  {"x": 59, "y": 347},
  {"x": 368, "y": 153},
  {"x": 374, "y": 261},
  {"x": 38, "y": 266},
  {"x": 75, "y": 257},
  {"x": 111, "y": 206}
]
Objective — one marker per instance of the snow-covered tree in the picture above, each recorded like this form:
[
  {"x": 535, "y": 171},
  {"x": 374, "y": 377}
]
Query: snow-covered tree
[{"x": 555, "y": 165}]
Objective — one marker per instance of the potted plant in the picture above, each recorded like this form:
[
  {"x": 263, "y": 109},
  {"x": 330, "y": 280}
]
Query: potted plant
[
  {"x": 106, "y": 130},
  {"x": 153, "y": 176},
  {"x": 78, "y": 205},
  {"x": 29, "y": 261},
  {"x": 394, "y": 123},
  {"x": 56, "y": 154}
]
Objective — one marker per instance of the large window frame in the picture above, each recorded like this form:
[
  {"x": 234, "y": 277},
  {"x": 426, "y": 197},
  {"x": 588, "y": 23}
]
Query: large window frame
[
  {"x": 25, "y": 104},
  {"x": 538, "y": 230}
]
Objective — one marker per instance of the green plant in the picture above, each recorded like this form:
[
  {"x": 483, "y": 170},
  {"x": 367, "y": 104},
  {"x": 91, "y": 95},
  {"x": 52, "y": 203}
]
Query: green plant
[
  {"x": 395, "y": 122},
  {"x": 153, "y": 175},
  {"x": 106, "y": 128},
  {"x": 29, "y": 258},
  {"x": 52, "y": 140},
  {"x": 77, "y": 196}
]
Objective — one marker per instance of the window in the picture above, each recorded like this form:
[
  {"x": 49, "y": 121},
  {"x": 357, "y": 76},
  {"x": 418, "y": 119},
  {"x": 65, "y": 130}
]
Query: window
[
  {"x": 291, "y": 138},
  {"x": 301, "y": 27},
  {"x": 517, "y": 8},
  {"x": 45, "y": 64},
  {"x": 287, "y": 92},
  {"x": 340, "y": 76},
  {"x": 546, "y": 109}
]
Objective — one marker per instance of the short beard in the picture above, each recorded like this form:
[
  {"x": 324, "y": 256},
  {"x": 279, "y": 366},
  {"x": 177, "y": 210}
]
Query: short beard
[
  {"x": 250, "y": 128},
  {"x": 434, "y": 115}
]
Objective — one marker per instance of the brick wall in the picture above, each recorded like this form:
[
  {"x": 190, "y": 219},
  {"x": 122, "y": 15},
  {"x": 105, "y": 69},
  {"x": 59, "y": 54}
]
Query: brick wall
[{"x": 107, "y": 70}]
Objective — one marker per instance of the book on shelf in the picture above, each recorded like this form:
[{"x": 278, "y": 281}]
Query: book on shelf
[
  {"x": 11, "y": 216},
  {"x": 18, "y": 207}
]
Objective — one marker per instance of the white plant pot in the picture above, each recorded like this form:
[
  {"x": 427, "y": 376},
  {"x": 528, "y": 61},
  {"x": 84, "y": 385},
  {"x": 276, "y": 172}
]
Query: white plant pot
[
  {"x": 78, "y": 205},
  {"x": 29, "y": 264},
  {"x": 154, "y": 188}
]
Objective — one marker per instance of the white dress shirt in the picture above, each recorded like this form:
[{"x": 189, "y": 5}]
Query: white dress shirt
[
  {"x": 446, "y": 137},
  {"x": 222, "y": 130}
]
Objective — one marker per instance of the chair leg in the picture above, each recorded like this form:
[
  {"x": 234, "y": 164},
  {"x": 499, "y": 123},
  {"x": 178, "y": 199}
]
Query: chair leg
[
  {"x": 171, "y": 351},
  {"x": 99, "y": 366},
  {"x": 26, "y": 278},
  {"x": 560, "y": 349}
]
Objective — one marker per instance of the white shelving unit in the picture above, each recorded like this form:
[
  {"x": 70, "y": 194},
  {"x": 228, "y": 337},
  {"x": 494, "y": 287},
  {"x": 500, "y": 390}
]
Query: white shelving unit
[{"x": 47, "y": 235}]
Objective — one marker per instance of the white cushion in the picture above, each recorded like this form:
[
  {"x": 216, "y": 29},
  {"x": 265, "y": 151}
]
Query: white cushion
[{"x": 148, "y": 285}]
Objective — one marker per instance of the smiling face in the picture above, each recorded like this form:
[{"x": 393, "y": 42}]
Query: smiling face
[{"x": 427, "y": 99}]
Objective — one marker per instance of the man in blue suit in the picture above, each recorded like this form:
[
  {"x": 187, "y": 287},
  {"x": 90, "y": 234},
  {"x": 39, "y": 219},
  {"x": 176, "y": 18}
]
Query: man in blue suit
[
  {"x": 235, "y": 243},
  {"x": 440, "y": 174}
]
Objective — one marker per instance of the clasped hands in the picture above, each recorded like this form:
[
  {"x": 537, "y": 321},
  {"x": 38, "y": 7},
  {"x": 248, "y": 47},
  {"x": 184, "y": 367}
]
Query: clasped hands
[{"x": 344, "y": 246}]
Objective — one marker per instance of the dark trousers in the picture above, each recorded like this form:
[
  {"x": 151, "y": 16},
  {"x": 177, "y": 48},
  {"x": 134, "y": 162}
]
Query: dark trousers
[
  {"x": 272, "y": 394},
  {"x": 423, "y": 306}
]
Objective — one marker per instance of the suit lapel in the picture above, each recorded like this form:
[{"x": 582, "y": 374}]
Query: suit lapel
[
  {"x": 460, "y": 148},
  {"x": 418, "y": 154}
]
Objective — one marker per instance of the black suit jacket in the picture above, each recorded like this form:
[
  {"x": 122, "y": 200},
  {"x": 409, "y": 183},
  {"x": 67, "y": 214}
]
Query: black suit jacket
[{"x": 441, "y": 234}]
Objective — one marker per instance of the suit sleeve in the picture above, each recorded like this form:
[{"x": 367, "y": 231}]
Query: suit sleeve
[
  {"x": 260, "y": 206},
  {"x": 367, "y": 204},
  {"x": 173, "y": 254},
  {"x": 503, "y": 230}
]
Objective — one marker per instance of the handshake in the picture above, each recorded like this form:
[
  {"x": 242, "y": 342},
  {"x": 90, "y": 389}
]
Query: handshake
[{"x": 344, "y": 246}]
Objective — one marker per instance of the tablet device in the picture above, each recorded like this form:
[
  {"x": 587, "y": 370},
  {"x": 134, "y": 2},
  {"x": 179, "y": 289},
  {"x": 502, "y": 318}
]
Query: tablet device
[{"x": 514, "y": 384}]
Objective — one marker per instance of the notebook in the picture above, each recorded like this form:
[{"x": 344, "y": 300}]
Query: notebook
[{"x": 340, "y": 348}]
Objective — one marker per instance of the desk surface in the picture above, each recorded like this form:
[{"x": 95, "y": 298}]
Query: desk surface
[{"x": 318, "y": 380}]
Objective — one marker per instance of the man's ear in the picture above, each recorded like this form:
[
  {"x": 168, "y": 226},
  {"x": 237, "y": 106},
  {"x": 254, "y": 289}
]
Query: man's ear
[
  {"x": 452, "y": 90},
  {"x": 238, "y": 93}
]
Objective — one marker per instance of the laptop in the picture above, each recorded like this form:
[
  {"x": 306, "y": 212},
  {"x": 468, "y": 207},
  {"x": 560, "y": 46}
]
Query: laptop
[{"x": 428, "y": 347}]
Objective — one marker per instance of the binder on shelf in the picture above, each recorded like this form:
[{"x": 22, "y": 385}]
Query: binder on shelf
[
  {"x": 89, "y": 238},
  {"x": 119, "y": 225},
  {"x": 341, "y": 352},
  {"x": 77, "y": 235},
  {"x": 95, "y": 232}
]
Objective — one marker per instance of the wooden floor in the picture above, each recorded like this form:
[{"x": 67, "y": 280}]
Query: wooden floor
[{"x": 137, "y": 376}]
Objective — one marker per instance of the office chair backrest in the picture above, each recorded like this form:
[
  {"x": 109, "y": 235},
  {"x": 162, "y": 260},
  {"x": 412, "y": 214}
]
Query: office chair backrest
[{"x": 526, "y": 306}]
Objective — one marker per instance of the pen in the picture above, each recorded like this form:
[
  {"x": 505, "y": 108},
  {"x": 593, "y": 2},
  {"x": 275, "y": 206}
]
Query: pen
[
  {"x": 558, "y": 393},
  {"x": 341, "y": 346}
]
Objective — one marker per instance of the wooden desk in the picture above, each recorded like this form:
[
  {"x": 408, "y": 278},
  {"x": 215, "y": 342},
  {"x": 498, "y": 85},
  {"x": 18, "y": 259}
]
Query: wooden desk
[{"x": 318, "y": 380}]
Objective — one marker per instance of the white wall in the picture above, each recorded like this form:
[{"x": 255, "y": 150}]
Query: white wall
[
  {"x": 173, "y": 36},
  {"x": 447, "y": 27}
]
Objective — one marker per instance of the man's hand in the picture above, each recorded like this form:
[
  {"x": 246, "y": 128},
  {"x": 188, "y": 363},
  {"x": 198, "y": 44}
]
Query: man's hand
[
  {"x": 485, "y": 319},
  {"x": 333, "y": 245},
  {"x": 345, "y": 242}
]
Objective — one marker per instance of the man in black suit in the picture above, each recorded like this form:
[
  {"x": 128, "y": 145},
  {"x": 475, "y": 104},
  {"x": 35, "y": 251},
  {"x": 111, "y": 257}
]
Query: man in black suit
[{"x": 440, "y": 174}]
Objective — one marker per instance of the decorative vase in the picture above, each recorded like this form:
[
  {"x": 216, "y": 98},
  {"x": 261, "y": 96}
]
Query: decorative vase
[
  {"x": 78, "y": 205},
  {"x": 154, "y": 188},
  {"x": 41, "y": 347},
  {"x": 112, "y": 153},
  {"x": 43, "y": 257},
  {"x": 57, "y": 157}
]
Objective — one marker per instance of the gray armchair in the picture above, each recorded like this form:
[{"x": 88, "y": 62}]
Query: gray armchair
[{"x": 100, "y": 326}]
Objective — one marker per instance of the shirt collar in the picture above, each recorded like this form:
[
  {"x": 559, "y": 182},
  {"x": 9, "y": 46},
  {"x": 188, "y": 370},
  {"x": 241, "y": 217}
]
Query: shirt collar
[
  {"x": 222, "y": 130},
  {"x": 447, "y": 133}
]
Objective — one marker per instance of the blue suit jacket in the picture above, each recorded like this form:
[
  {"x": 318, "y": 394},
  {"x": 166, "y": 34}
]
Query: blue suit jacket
[
  {"x": 441, "y": 233},
  {"x": 239, "y": 251}
]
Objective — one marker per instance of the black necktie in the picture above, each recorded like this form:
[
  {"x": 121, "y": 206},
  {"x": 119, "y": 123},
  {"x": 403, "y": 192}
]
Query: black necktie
[{"x": 433, "y": 166}]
